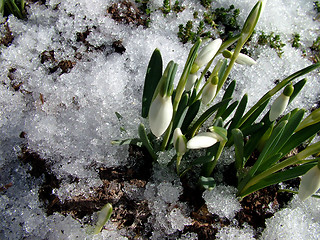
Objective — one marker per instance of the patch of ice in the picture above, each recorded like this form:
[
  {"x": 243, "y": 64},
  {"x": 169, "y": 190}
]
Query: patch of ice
[
  {"x": 222, "y": 201},
  {"x": 234, "y": 233}
]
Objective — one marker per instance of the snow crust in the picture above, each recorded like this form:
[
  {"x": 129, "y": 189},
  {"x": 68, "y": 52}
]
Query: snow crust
[{"x": 69, "y": 117}]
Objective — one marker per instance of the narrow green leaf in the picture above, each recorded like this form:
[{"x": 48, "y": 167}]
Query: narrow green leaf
[
  {"x": 297, "y": 88},
  {"x": 153, "y": 76},
  {"x": 145, "y": 141},
  {"x": 207, "y": 182},
  {"x": 289, "y": 129},
  {"x": 229, "y": 110},
  {"x": 103, "y": 216},
  {"x": 133, "y": 141},
  {"x": 238, "y": 114},
  {"x": 191, "y": 132},
  {"x": 227, "y": 94},
  {"x": 252, "y": 129},
  {"x": 278, "y": 177},
  {"x": 299, "y": 137},
  {"x": 278, "y": 87},
  {"x": 266, "y": 151},
  {"x": 254, "y": 115},
  {"x": 238, "y": 146},
  {"x": 182, "y": 111},
  {"x": 191, "y": 114},
  {"x": 2, "y": 7},
  {"x": 269, "y": 162}
]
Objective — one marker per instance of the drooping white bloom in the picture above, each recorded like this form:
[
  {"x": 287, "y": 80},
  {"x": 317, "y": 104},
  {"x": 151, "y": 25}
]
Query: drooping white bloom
[
  {"x": 208, "y": 52},
  {"x": 160, "y": 114},
  {"x": 203, "y": 140},
  {"x": 190, "y": 81},
  {"x": 208, "y": 93},
  {"x": 245, "y": 60},
  {"x": 281, "y": 103},
  {"x": 310, "y": 183},
  {"x": 278, "y": 107},
  {"x": 179, "y": 142}
]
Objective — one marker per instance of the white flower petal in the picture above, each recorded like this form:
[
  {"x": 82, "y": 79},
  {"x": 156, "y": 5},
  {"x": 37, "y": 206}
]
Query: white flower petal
[
  {"x": 190, "y": 81},
  {"x": 208, "y": 52},
  {"x": 245, "y": 60},
  {"x": 160, "y": 114},
  {"x": 278, "y": 107},
  {"x": 202, "y": 140},
  {"x": 208, "y": 93},
  {"x": 310, "y": 183},
  {"x": 179, "y": 141}
]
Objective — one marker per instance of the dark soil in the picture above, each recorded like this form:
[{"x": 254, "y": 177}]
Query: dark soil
[{"x": 131, "y": 213}]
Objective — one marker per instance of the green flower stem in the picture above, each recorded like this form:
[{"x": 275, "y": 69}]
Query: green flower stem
[
  {"x": 180, "y": 89},
  {"x": 179, "y": 157}
]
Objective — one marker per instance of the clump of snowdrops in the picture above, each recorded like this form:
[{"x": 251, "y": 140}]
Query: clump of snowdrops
[{"x": 177, "y": 117}]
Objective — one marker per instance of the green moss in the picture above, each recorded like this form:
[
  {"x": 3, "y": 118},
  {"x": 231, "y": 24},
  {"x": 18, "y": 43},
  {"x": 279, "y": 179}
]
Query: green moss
[
  {"x": 296, "y": 40},
  {"x": 272, "y": 40},
  {"x": 167, "y": 7},
  {"x": 316, "y": 6},
  {"x": 316, "y": 49},
  {"x": 206, "y": 3}
]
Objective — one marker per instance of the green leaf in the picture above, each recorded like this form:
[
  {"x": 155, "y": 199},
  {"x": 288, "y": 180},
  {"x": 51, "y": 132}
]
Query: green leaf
[
  {"x": 103, "y": 216},
  {"x": 254, "y": 115},
  {"x": 238, "y": 146},
  {"x": 278, "y": 177},
  {"x": 153, "y": 76},
  {"x": 191, "y": 114},
  {"x": 191, "y": 132},
  {"x": 252, "y": 129},
  {"x": 133, "y": 141},
  {"x": 227, "y": 94},
  {"x": 297, "y": 88},
  {"x": 278, "y": 87},
  {"x": 181, "y": 112},
  {"x": 229, "y": 110},
  {"x": 2, "y": 7},
  {"x": 289, "y": 129},
  {"x": 266, "y": 150},
  {"x": 238, "y": 114},
  {"x": 145, "y": 141},
  {"x": 207, "y": 182},
  {"x": 299, "y": 137}
]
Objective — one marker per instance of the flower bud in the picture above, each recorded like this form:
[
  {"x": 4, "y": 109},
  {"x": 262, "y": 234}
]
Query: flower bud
[
  {"x": 160, "y": 114},
  {"x": 203, "y": 140},
  {"x": 210, "y": 90},
  {"x": 252, "y": 20},
  {"x": 280, "y": 104},
  {"x": 206, "y": 54},
  {"x": 190, "y": 81},
  {"x": 179, "y": 142},
  {"x": 310, "y": 183},
  {"x": 242, "y": 59}
]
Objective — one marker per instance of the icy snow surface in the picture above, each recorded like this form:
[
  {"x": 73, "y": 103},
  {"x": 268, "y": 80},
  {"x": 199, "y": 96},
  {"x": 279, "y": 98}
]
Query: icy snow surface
[{"x": 69, "y": 117}]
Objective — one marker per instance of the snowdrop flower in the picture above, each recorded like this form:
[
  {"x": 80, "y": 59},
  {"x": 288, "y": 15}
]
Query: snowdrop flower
[
  {"x": 242, "y": 59},
  {"x": 179, "y": 142},
  {"x": 206, "y": 54},
  {"x": 190, "y": 81},
  {"x": 209, "y": 90},
  {"x": 203, "y": 140},
  {"x": 280, "y": 104},
  {"x": 160, "y": 114},
  {"x": 310, "y": 183}
]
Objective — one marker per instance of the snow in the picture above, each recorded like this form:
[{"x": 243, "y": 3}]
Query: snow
[{"x": 69, "y": 117}]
